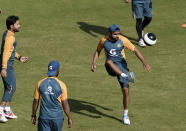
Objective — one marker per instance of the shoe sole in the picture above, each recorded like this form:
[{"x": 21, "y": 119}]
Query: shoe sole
[
  {"x": 3, "y": 121},
  {"x": 10, "y": 117},
  {"x": 142, "y": 46},
  {"x": 125, "y": 123}
]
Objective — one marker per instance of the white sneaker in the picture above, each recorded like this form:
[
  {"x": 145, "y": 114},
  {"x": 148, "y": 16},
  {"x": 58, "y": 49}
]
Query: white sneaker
[
  {"x": 10, "y": 114},
  {"x": 126, "y": 120},
  {"x": 142, "y": 43},
  {"x": 2, "y": 117}
]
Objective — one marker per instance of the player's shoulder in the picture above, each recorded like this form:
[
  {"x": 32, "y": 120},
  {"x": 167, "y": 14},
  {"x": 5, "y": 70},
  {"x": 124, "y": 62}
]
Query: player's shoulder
[
  {"x": 9, "y": 36},
  {"x": 121, "y": 37},
  {"x": 40, "y": 81},
  {"x": 62, "y": 84},
  {"x": 104, "y": 38}
]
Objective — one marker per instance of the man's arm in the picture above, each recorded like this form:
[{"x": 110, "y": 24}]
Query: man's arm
[
  {"x": 96, "y": 56},
  {"x": 66, "y": 109},
  {"x": 34, "y": 110},
  {"x": 139, "y": 55}
]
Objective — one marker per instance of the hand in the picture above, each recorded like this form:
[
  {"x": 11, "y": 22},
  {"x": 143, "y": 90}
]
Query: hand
[
  {"x": 4, "y": 72},
  {"x": 23, "y": 59},
  {"x": 147, "y": 67},
  {"x": 33, "y": 120},
  {"x": 93, "y": 67},
  {"x": 69, "y": 123},
  {"x": 127, "y": 1}
]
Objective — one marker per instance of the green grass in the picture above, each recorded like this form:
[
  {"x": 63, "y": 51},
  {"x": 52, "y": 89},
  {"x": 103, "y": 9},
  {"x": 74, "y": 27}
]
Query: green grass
[{"x": 69, "y": 31}]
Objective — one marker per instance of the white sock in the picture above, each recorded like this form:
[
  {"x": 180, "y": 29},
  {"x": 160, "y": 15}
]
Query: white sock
[
  {"x": 124, "y": 75},
  {"x": 7, "y": 108},
  {"x": 125, "y": 112}
]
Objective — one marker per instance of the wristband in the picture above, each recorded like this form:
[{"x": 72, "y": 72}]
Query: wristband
[
  {"x": 19, "y": 58},
  {"x": 33, "y": 115}
]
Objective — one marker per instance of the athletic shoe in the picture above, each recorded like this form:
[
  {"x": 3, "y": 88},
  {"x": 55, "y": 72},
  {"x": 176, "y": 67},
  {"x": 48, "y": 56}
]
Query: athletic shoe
[
  {"x": 142, "y": 43},
  {"x": 126, "y": 120},
  {"x": 2, "y": 117},
  {"x": 10, "y": 115},
  {"x": 132, "y": 77}
]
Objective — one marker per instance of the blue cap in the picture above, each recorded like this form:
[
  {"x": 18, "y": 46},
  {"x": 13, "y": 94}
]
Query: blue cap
[
  {"x": 53, "y": 67},
  {"x": 114, "y": 28}
]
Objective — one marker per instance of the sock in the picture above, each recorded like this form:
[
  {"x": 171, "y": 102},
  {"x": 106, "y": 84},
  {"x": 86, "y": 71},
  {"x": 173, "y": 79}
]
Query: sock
[
  {"x": 125, "y": 112},
  {"x": 7, "y": 108}
]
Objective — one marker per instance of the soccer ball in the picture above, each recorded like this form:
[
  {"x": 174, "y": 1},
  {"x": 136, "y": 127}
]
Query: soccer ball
[{"x": 150, "y": 38}]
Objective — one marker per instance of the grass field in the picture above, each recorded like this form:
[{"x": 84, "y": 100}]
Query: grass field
[{"x": 69, "y": 31}]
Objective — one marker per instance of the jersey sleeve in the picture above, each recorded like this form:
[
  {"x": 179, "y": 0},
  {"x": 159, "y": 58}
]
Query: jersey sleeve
[
  {"x": 63, "y": 96},
  {"x": 64, "y": 91},
  {"x": 127, "y": 44},
  {"x": 100, "y": 45},
  {"x": 36, "y": 92},
  {"x": 8, "y": 48},
  {"x": 17, "y": 55}
]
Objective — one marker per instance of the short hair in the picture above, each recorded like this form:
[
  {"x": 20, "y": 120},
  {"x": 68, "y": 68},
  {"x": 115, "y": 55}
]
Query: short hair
[{"x": 11, "y": 20}]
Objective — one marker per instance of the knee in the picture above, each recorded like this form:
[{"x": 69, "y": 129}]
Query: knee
[
  {"x": 148, "y": 19},
  {"x": 138, "y": 24},
  {"x": 108, "y": 62},
  {"x": 12, "y": 89}
]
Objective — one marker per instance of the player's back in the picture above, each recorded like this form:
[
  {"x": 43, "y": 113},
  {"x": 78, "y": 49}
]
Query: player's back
[{"x": 50, "y": 91}]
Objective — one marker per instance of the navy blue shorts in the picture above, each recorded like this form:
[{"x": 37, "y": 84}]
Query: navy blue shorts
[
  {"x": 50, "y": 124},
  {"x": 142, "y": 8},
  {"x": 9, "y": 85},
  {"x": 124, "y": 82}
]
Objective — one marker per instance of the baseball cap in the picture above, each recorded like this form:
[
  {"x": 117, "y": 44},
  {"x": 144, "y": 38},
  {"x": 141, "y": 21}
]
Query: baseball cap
[
  {"x": 114, "y": 28},
  {"x": 53, "y": 67}
]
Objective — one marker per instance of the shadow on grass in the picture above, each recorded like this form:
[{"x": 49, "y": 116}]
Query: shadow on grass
[
  {"x": 94, "y": 29},
  {"x": 77, "y": 106}
]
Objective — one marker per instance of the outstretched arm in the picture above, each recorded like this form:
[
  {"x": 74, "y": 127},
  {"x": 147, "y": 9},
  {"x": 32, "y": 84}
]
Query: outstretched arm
[
  {"x": 66, "y": 109},
  {"x": 139, "y": 55}
]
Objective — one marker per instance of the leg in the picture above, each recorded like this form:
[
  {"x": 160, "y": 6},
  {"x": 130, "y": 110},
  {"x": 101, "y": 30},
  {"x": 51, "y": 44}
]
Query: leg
[
  {"x": 57, "y": 124},
  {"x": 43, "y": 125},
  {"x": 10, "y": 87},
  {"x": 125, "y": 91},
  {"x": 147, "y": 14},
  {"x": 139, "y": 28},
  {"x": 114, "y": 67},
  {"x": 146, "y": 21}
]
